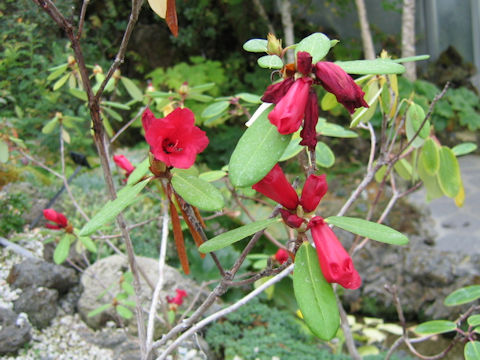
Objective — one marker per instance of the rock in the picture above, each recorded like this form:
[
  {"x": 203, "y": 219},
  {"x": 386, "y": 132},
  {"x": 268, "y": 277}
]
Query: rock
[
  {"x": 40, "y": 304},
  {"x": 38, "y": 273},
  {"x": 101, "y": 283},
  {"x": 14, "y": 331}
]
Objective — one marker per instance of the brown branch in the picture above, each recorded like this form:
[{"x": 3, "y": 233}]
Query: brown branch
[{"x": 81, "y": 21}]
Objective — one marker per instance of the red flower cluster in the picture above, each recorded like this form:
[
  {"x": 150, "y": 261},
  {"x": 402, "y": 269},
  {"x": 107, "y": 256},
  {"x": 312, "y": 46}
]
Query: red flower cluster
[
  {"x": 174, "y": 139},
  {"x": 336, "y": 264},
  {"x": 178, "y": 299},
  {"x": 123, "y": 163},
  {"x": 296, "y": 100},
  {"x": 60, "y": 220}
]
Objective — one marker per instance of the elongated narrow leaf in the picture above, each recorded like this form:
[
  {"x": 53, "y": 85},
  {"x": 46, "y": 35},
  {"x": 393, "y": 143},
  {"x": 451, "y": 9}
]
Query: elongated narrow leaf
[
  {"x": 62, "y": 249},
  {"x": 111, "y": 209},
  {"x": 124, "y": 312},
  {"x": 3, "y": 151},
  {"x": 197, "y": 192},
  {"x": 88, "y": 243},
  {"x": 79, "y": 94},
  {"x": 314, "y": 294},
  {"x": 255, "y": 45},
  {"x": 57, "y": 72},
  {"x": 317, "y": 45},
  {"x": 377, "y": 66},
  {"x": 215, "y": 109},
  {"x": 435, "y": 327},
  {"x": 464, "y": 295},
  {"x": 412, "y": 58},
  {"x": 60, "y": 82},
  {"x": 368, "y": 229},
  {"x": 116, "y": 105},
  {"x": 270, "y": 62},
  {"x": 132, "y": 89},
  {"x": 448, "y": 175},
  {"x": 292, "y": 149},
  {"x": 464, "y": 148},
  {"x": 99, "y": 310},
  {"x": 250, "y": 98},
  {"x": 415, "y": 118},
  {"x": 232, "y": 236},
  {"x": 334, "y": 130},
  {"x": 472, "y": 350},
  {"x": 50, "y": 126},
  {"x": 212, "y": 175},
  {"x": 257, "y": 151},
  {"x": 140, "y": 171}
]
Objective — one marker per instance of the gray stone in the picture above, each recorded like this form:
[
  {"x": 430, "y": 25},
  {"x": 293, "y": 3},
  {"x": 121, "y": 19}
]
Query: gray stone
[
  {"x": 101, "y": 283},
  {"x": 40, "y": 304},
  {"x": 38, "y": 273},
  {"x": 14, "y": 331}
]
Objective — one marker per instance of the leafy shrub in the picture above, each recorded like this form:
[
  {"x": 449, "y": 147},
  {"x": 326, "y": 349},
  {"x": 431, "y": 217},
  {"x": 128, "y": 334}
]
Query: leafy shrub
[{"x": 11, "y": 208}]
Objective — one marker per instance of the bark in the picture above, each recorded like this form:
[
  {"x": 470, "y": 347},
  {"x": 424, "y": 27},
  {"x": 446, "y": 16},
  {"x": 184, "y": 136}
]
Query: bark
[
  {"x": 408, "y": 37},
  {"x": 287, "y": 23},
  {"x": 367, "y": 41},
  {"x": 264, "y": 16}
]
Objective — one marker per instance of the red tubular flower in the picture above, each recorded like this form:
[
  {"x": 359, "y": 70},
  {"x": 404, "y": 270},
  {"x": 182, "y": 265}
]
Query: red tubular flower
[
  {"x": 275, "y": 92},
  {"x": 178, "y": 299},
  {"x": 304, "y": 63},
  {"x": 276, "y": 187},
  {"x": 335, "y": 80},
  {"x": 288, "y": 114},
  {"x": 174, "y": 139},
  {"x": 313, "y": 191},
  {"x": 292, "y": 220},
  {"x": 309, "y": 133},
  {"x": 58, "y": 218},
  {"x": 281, "y": 256},
  {"x": 336, "y": 264},
  {"x": 123, "y": 163}
]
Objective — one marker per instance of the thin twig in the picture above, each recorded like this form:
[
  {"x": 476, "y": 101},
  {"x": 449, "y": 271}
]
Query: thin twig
[
  {"x": 81, "y": 21},
  {"x": 225, "y": 311},
  {"x": 127, "y": 125},
  {"x": 43, "y": 166}
]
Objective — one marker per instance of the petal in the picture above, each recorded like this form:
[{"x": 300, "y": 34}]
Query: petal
[
  {"x": 313, "y": 191},
  {"x": 335, "y": 80},
  {"x": 123, "y": 163},
  {"x": 336, "y": 264},
  {"x": 304, "y": 63},
  {"x": 147, "y": 119},
  {"x": 292, "y": 220},
  {"x": 276, "y": 187},
  {"x": 281, "y": 256},
  {"x": 275, "y": 92},
  {"x": 309, "y": 132},
  {"x": 288, "y": 114}
]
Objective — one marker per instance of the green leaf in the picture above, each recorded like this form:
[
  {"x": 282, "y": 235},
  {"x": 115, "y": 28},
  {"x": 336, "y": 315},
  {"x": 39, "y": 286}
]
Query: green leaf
[
  {"x": 62, "y": 249},
  {"x": 404, "y": 169},
  {"x": 363, "y": 114},
  {"x": 215, "y": 109},
  {"x": 79, "y": 94},
  {"x": 448, "y": 174},
  {"x": 65, "y": 136},
  {"x": 464, "y": 148},
  {"x": 324, "y": 156},
  {"x": 314, "y": 294},
  {"x": 88, "y": 243},
  {"x": 255, "y": 45},
  {"x": 60, "y": 82},
  {"x": 57, "y": 72},
  {"x": 140, "y": 171},
  {"x": 3, "y": 151},
  {"x": 430, "y": 157},
  {"x": 412, "y": 58},
  {"x": 334, "y": 130},
  {"x": 132, "y": 89},
  {"x": 197, "y": 192},
  {"x": 415, "y": 117},
  {"x": 329, "y": 101},
  {"x": 474, "y": 320},
  {"x": 124, "y": 312},
  {"x": 270, "y": 62},
  {"x": 430, "y": 182},
  {"x": 232, "y": 236},
  {"x": 128, "y": 288},
  {"x": 111, "y": 209},
  {"x": 113, "y": 113},
  {"x": 292, "y": 149},
  {"x": 212, "y": 175},
  {"x": 116, "y": 105},
  {"x": 250, "y": 98},
  {"x": 435, "y": 327},
  {"x": 50, "y": 126},
  {"x": 368, "y": 229},
  {"x": 317, "y": 45},
  {"x": 257, "y": 151},
  {"x": 472, "y": 350},
  {"x": 203, "y": 87},
  {"x": 377, "y": 66},
  {"x": 463, "y": 295},
  {"x": 99, "y": 310}
]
